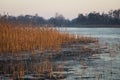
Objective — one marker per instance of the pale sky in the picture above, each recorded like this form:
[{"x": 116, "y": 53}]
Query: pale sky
[{"x": 47, "y": 8}]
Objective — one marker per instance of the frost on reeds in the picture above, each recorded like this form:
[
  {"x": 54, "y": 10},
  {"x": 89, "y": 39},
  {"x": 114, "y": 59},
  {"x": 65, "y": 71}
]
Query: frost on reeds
[{"x": 18, "y": 38}]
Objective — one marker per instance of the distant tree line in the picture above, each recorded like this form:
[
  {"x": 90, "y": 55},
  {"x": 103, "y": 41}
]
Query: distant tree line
[{"x": 92, "y": 18}]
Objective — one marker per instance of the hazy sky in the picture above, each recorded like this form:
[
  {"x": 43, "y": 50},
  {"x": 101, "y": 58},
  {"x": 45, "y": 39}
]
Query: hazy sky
[{"x": 48, "y": 8}]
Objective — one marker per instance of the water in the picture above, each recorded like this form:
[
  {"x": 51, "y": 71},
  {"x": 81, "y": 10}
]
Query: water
[
  {"x": 107, "y": 66},
  {"x": 95, "y": 32},
  {"x": 103, "y": 66}
]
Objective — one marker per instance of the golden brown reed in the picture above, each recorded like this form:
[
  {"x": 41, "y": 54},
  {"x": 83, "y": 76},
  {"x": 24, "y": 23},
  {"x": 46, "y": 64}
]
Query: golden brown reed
[
  {"x": 14, "y": 38},
  {"x": 17, "y": 38}
]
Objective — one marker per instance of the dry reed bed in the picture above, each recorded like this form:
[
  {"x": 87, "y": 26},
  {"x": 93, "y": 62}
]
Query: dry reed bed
[
  {"x": 18, "y": 38},
  {"x": 15, "y": 39}
]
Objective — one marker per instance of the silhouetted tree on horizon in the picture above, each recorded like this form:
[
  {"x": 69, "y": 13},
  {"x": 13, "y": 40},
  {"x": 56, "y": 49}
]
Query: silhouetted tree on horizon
[{"x": 92, "y": 18}]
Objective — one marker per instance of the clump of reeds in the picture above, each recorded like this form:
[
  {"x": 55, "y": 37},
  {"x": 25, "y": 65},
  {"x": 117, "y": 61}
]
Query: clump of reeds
[{"x": 17, "y": 38}]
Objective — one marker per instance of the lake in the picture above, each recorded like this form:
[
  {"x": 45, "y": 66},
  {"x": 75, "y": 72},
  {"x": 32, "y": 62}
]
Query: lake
[{"x": 107, "y": 66}]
